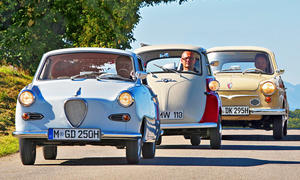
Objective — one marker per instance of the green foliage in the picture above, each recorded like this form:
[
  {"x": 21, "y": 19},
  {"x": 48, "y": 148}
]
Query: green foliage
[
  {"x": 29, "y": 28},
  {"x": 294, "y": 120},
  {"x": 8, "y": 145},
  {"x": 12, "y": 80}
]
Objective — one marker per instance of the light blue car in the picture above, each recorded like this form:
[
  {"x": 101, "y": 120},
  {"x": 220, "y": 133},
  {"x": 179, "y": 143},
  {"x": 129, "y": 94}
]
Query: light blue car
[{"x": 82, "y": 96}]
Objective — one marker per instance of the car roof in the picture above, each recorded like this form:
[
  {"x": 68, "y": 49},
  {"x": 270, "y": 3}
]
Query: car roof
[
  {"x": 89, "y": 49},
  {"x": 245, "y": 48},
  {"x": 168, "y": 47}
]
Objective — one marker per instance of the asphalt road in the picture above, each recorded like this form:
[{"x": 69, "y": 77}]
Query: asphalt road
[{"x": 245, "y": 154}]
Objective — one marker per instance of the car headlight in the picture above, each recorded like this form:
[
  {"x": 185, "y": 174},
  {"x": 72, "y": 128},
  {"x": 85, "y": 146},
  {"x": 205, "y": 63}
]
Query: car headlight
[
  {"x": 214, "y": 85},
  {"x": 268, "y": 88},
  {"x": 26, "y": 98},
  {"x": 125, "y": 99}
]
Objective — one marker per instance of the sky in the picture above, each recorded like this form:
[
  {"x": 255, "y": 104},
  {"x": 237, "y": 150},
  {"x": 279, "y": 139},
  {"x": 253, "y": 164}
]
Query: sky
[{"x": 272, "y": 24}]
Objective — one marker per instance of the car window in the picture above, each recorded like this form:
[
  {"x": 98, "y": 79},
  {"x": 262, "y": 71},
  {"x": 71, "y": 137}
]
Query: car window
[
  {"x": 170, "y": 61},
  {"x": 240, "y": 61},
  {"x": 88, "y": 65}
]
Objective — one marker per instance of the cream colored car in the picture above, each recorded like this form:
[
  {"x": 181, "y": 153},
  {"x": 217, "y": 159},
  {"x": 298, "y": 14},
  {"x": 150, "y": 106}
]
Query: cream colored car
[
  {"x": 188, "y": 102},
  {"x": 252, "y": 91}
]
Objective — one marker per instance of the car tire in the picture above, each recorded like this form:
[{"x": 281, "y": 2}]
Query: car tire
[
  {"x": 133, "y": 151},
  {"x": 158, "y": 142},
  {"x": 148, "y": 150},
  {"x": 50, "y": 152},
  {"x": 27, "y": 151},
  {"x": 278, "y": 128},
  {"x": 285, "y": 128},
  {"x": 195, "y": 140},
  {"x": 215, "y": 138}
]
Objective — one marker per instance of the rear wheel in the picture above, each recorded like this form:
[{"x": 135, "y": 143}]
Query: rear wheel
[
  {"x": 195, "y": 140},
  {"x": 148, "y": 150},
  {"x": 215, "y": 138},
  {"x": 50, "y": 152},
  {"x": 133, "y": 151},
  {"x": 278, "y": 128},
  {"x": 27, "y": 151},
  {"x": 285, "y": 128}
]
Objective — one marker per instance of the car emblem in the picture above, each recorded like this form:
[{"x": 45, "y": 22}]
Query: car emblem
[
  {"x": 229, "y": 85},
  {"x": 165, "y": 80}
]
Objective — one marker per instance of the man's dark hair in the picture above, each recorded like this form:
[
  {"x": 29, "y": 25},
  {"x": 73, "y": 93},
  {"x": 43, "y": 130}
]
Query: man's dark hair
[{"x": 261, "y": 55}]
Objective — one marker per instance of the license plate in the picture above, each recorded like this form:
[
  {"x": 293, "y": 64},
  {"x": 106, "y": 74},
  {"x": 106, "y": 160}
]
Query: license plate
[
  {"x": 235, "y": 110},
  {"x": 171, "y": 115},
  {"x": 74, "y": 134}
]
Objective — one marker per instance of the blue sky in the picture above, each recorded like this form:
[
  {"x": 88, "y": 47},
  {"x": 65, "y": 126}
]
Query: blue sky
[{"x": 272, "y": 24}]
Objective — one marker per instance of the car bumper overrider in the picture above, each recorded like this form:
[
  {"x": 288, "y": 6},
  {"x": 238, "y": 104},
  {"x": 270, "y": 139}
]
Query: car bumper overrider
[{"x": 104, "y": 135}]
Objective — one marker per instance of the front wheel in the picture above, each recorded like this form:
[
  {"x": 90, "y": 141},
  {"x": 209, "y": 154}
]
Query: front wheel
[
  {"x": 50, "y": 152},
  {"x": 27, "y": 151},
  {"x": 133, "y": 151},
  {"x": 195, "y": 140},
  {"x": 215, "y": 138},
  {"x": 278, "y": 128},
  {"x": 148, "y": 150}
]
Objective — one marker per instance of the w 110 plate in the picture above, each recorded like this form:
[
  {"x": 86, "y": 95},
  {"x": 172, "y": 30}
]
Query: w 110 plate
[
  {"x": 171, "y": 115},
  {"x": 235, "y": 110},
  {"x": 74, "y": 134}
]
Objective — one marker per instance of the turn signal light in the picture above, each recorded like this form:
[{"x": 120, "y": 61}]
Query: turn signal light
[
  {"x": 25, "y": 116},
  {"x": 125, "y": 117},
  {"x": 268, "y": 99}
]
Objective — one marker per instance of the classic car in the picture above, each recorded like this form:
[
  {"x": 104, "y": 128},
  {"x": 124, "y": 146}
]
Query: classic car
[
  {"x": 188, "y": 102},
  {"x": 251, "y": 88},
  {"x": 87, "y": 96}
]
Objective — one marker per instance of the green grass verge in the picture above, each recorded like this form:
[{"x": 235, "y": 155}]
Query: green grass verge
[{"x": 8, "y": 145}]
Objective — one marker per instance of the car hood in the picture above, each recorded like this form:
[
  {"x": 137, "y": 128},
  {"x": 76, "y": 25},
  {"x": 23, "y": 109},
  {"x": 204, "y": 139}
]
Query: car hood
[
  {"x": 239, "y": 81},
  {"x": 88, "y": 88}
]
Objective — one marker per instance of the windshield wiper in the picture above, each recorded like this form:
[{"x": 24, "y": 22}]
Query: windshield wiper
[
  {"x": 85, "y": 74},
  {"x": 113, "y": 76},
  {"x": 167, "y": 70}
]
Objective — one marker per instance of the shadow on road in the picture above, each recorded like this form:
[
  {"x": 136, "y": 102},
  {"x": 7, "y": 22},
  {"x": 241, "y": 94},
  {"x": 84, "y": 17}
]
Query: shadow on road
[
  {"x": 259, "y": 138},
  {"x": 171, "y": 161},
  {"x": 233, "y": 147}
]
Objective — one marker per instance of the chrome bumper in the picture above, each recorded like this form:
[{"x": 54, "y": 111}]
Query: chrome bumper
[
  {"x": 188, "y": 126},
  {"x": 254, "y": 111},
  {"x": 104, "y": 135}
]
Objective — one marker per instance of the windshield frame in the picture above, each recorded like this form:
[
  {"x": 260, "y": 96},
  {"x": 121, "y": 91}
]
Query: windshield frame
[
  {"x": 255, "y": 51},
  {"x": 45, "y": 60},
  {"x": 162, "y": 58}
]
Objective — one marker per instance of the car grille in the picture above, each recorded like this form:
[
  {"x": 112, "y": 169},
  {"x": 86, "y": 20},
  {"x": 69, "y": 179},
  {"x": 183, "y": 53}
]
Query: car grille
[{"x": 75, "y": 110}]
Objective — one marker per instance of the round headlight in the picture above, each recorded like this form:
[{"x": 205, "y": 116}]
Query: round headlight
[
  {"x": 26, "y": 98},
  {"x": 268, "y": 88},
  {"x": 214, "y": 85},
  {"x": 125, "y": 99}
]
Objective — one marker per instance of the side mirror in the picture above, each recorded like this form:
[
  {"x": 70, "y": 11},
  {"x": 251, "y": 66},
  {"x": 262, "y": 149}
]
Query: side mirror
[
  {"x": 141, "y": 75},
  {"x": 214, "y": 63},
  {"x": 280, "y": 71}
]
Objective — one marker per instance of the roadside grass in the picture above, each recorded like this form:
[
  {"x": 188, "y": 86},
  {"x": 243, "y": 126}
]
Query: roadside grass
[{"x": 8, "y": 145}]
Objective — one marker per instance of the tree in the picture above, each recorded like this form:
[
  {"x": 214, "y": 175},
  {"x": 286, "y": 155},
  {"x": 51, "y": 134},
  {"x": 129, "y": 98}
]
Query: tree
[{"x": 28, "y": 28}]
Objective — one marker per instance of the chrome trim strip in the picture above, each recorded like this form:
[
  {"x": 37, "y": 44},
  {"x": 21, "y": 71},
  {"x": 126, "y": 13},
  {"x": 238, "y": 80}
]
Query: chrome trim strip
[
  {"x": 44, "y": 134},
  {"x": 120, "y": 135},
  {"x": 31, "y": 134},
  {"x": 188, "y": 126},
  {"x": 240, "y": 95},
  {"x": 255, "y": 111}
]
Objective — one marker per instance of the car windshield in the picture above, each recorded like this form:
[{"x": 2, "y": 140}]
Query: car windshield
[
  {"x": 240, "y": 62},
  {"x": 170, "y": 61},
  {"x": 87, "y": 65}
]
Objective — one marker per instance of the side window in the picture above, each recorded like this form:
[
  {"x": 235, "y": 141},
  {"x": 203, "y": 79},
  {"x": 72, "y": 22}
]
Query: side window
[{"x": 141, "y": 66}]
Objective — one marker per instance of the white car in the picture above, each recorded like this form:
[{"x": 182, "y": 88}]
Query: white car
[
  {"x": 188, "y": 102},
  {"x": 82, "y": 96}
]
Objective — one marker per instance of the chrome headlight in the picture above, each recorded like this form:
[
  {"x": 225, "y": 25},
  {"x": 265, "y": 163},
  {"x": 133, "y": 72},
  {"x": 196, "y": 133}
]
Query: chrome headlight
[
  {"x": 214, "y": 85},
  {"x": 125, "y": 99},
  {"x": 26, "y": 98},
  {"x": 268, "y": 88}
]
